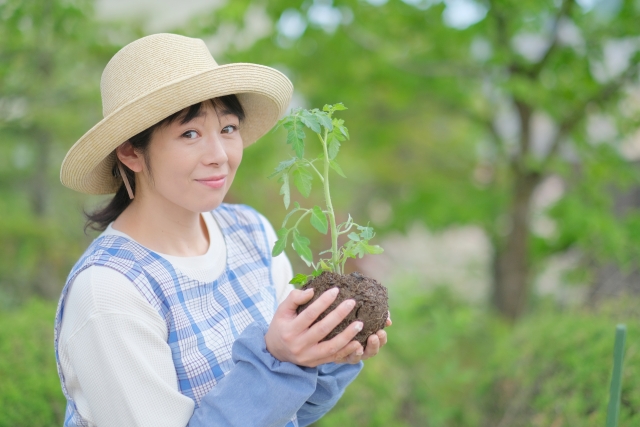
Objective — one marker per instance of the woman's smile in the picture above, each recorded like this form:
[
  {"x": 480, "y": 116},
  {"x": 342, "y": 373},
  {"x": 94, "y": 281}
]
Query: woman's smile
[{"x": 214, "y": 181}]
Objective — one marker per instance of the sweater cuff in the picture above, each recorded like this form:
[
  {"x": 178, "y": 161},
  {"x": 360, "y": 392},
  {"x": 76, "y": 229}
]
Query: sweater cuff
[
  {"x": 251, "y": 344},
  {"x": 259, "y": 390}
]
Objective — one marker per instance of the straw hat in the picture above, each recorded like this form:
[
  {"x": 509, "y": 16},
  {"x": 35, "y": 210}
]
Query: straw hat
[{"x": 154, "y": 77}]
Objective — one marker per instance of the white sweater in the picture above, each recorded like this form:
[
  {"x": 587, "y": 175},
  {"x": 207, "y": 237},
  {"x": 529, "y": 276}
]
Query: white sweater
[{"x": 113, "y": 346}]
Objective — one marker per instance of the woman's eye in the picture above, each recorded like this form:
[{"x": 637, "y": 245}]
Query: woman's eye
[
  {"x": 229, "y": 129},
  {"x": 190, "y": 134}
]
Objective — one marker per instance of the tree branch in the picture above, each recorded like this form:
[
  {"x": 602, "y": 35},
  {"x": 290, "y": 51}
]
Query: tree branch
[
  {"x": 502, "y": 38},
  {"x": 569, "y": 123},
  {"x": 563, "y": 11}
]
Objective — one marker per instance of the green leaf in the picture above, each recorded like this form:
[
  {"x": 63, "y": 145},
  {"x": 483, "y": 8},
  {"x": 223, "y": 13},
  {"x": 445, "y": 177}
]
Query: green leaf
[
  {"x": 354, "y": 237},
  {"x": 366, "y": 233},
  {"x": 279, "y": 246},
  {"x": 336, "y": 107},
  {"x": 295, "y": 137},
  {"x": 348, "y": 249},
  {"x": 310, "y": 121},
  {"x": 301, "y": 246},
  {"x": 285, "y": 190},
  {"x": 344, "y": 131},
  {"x": 282, "y": 166},
  {"x": 316, "y": 273},
  {"x": 333, "y": 146},
  {"x": 319, "y": 220},
  {"x": 302, "y": 179},
  {"x": 373, "y": 249},
  {"x": 336, "y": 167},
  {"x": 359, "y": 249},
  {"x": 282, "y": 233},
  {"x": 299, "y": 279},
  {"x": 281, "y": 243},
  {"x": 325, "y": 120}
]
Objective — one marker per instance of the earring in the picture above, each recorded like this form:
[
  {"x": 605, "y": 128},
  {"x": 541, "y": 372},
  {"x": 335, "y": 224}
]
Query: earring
[{"x": 124, "y": 178}]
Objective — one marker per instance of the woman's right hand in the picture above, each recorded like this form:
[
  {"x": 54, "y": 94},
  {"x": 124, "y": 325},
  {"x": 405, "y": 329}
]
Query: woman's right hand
[{"x": 291, "y": 338}]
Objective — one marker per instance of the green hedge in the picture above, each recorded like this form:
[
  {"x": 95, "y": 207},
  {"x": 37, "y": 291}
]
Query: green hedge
[
  {"x": 451, "y": 364},
  {"x": 30, "y": 393},
  {"x": 447, "y": 363}
]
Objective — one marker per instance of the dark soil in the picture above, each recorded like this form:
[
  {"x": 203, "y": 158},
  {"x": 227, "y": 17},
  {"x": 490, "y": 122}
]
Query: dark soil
[{"x": 372, "y": 305}]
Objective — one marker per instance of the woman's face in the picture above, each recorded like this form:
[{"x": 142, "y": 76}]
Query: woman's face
[{"x": 193, "y": 164}]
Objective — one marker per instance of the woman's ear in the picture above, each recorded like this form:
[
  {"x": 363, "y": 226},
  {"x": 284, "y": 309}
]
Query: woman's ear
[{"x": 130, "y": 157}]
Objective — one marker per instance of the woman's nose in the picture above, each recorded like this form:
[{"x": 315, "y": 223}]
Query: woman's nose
[{"x": 215, "y": 152}]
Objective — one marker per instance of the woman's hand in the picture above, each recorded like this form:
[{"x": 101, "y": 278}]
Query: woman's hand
[
  {"x": 291, "y": 338},
  {"x": 374, "y": 344}
]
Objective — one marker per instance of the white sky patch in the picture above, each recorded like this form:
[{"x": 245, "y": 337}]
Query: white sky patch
[
  {"x": 461, "y": 14},
  {"x": 616, "y": 54},
  {"x": 530, "y": 45},
  {"x": 377, "y": 2},
  {"x": 291, "y": 24},
  {"x": 324, "y": 15},
  {"x": 422, "y": 4},
  {"x": 570, "y": 35},
  {"x": 601, "y": 129},
  {"x": 587, "y": 5}
]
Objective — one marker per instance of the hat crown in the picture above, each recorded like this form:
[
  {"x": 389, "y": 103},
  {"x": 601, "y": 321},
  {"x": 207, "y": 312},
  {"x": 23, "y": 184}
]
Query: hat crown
[{"x": 149, "y": 63}]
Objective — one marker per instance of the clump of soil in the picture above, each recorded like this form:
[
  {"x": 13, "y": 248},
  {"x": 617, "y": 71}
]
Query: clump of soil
[{"x": 372, "y": 305}]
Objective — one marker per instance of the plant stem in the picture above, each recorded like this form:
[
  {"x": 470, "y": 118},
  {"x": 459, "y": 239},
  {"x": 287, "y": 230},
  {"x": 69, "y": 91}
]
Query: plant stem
[
  {"x": 332, "y": 216},
  {"x": 317, "y": 171}
]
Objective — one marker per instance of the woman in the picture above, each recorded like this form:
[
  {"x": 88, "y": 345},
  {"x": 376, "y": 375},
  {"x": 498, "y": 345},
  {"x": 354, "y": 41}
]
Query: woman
[{"x": 177, "y": 314}]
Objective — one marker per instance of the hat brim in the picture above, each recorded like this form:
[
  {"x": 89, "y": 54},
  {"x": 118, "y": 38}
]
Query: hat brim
[{"x": 263, "y": 92}]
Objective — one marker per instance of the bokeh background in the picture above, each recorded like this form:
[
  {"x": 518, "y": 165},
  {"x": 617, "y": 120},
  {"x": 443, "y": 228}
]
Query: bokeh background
[{"x": 495, "y": 148}]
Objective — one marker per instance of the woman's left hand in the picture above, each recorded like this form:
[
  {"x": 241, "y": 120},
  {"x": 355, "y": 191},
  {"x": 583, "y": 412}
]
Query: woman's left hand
[{"x": 374, "y": 343}]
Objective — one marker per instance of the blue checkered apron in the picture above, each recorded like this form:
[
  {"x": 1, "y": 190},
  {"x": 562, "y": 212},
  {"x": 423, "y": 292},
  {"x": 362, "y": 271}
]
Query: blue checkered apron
[{"x": 203, "y": 319}]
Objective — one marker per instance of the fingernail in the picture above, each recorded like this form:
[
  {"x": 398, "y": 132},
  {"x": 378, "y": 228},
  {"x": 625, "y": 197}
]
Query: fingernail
[
  {"x": 350, "y": 303},
  {"x": 358, "y": 326},
  {"x": 334, "y": 291},
  {"x": 308, "y": 290},
  {"x": 359, "y": 352}
]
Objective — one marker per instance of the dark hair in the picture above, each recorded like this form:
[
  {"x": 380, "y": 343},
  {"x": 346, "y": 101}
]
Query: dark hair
[{"x": 100, "y": 219}]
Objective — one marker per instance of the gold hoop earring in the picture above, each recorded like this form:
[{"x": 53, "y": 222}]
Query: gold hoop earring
[{"x": 124, "y": 178}]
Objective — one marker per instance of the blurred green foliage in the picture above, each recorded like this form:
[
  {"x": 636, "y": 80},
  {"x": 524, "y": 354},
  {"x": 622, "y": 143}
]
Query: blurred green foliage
[
  {"x": 423, "y": 101},
  {"x": 452, "y": 364},
  {"x": 448, "y": 363},
  {"x": 30, "y": 393}
]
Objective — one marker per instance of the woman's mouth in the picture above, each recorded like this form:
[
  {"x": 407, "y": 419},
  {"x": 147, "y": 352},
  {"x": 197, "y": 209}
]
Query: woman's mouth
[{"x": 214, "y": 181}]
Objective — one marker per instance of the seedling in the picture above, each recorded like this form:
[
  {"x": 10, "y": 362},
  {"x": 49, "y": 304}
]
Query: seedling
[
  {"x": 328, "y": 271},
  {"x": 331, "y": 132}
]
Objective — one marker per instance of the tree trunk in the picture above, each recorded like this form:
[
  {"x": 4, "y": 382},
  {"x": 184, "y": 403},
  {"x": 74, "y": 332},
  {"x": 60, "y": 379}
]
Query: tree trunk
[{"x": 511, "y": 258}]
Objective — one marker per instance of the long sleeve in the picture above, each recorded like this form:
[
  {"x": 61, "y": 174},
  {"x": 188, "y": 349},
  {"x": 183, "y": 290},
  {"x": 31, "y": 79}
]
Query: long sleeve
[
  {"x": 333, "y": 379},
  {"x": 259, "y": 390}
]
